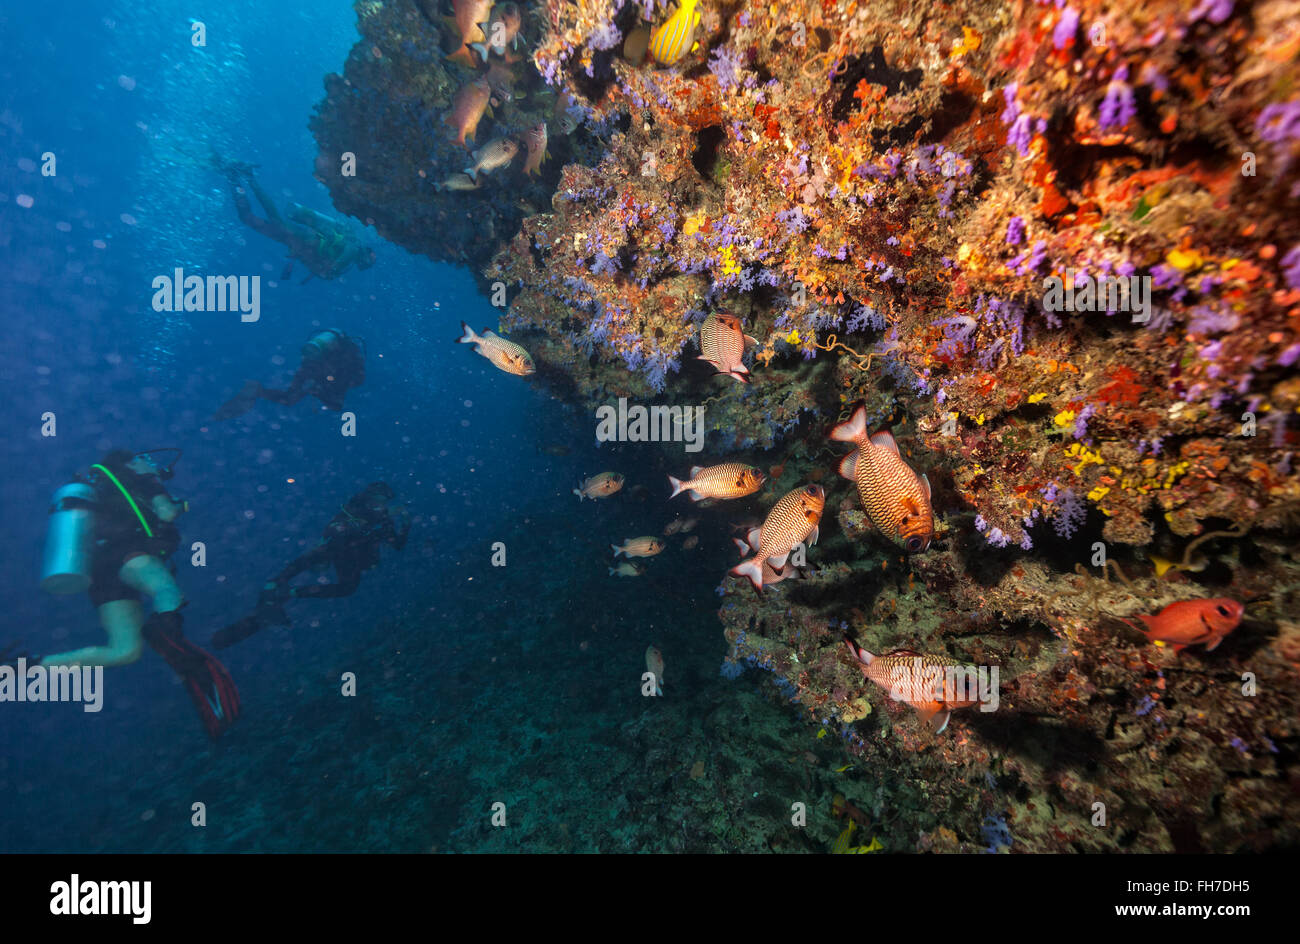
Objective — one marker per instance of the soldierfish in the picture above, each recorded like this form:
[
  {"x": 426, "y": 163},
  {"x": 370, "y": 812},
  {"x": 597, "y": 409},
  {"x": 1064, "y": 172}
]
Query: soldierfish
[
  {"x": 654, "y": 664},
  {"x": 497, "y": 153},
  {"x": 502, "y": 31},
  {"x": 729, "y": 480},
  {"x": 467, "y": 108},
  {"x": 501, "y": 80},
  {"x": 535, "y": 140},
  {"x": 895, "y": 498},
  {"x": 458, "y": 182},
  {"x": 922, "y": 681},
  {"x": 467, "y": 20},
  {"x": 792, "y": 521},
  {"x": 723, "y": 343},
  {"x": 564, "y": 119},
  {"x": 675, "y": 37},
  {"x": 599, "y": 486},
  {"x": 505, "y": 355},
  {"x": 770, "y": 574},
  {"x": 626, "y": 569},
  {"x": 647, "y": 546},
  {"x": 1193, "y": 622},
  {"x": 692, "y": 540}
]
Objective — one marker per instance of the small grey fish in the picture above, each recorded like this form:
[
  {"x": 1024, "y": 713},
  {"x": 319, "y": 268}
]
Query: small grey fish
[
  {"x": 459, "y": 182},
  {"x": 497, "y": 153}
]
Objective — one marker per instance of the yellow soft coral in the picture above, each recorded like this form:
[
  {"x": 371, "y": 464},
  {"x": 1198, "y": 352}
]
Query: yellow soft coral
[{"x": 729, "y": 264}]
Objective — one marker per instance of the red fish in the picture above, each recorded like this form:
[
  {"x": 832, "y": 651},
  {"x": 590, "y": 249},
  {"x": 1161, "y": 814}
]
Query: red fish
[
  {"x": 535, "y": 139},
  {"x": 468, "y": 108},
  {"x": 1192, "y": 622},
  {"x": 467, "y": 22}
]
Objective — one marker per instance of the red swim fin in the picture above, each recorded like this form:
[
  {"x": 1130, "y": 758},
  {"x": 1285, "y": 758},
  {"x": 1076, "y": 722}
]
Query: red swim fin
[{"x": 210, "y": 686}]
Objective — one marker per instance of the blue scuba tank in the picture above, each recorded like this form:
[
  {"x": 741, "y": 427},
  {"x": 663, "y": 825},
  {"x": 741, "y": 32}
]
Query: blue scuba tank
[
  {"x": 322, "y": 343},
  {"x": 69, "y": 541}
]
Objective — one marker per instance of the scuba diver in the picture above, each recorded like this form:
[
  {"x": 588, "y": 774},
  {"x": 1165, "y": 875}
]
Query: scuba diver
[
  {"x": 326, "y": 246},
  {"x": 111, "y": 531},
  {"x": 350, "y": 543},
  {"x": 332, "y": 364}
]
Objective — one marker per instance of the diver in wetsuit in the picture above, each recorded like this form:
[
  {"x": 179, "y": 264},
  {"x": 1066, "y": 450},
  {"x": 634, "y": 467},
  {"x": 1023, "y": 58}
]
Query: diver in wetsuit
[
  {"x": 350, "y": 544},
  {"x": 332, "y": 364},
  {"x": 324, "y": 245},
  {"x": 111, "y": 532}
]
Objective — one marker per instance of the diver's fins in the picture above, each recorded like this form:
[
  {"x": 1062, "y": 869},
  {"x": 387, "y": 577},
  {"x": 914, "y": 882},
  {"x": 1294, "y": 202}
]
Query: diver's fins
[
  {"x": 210, "y": 686},
  {"x": 240, "y": 403}
]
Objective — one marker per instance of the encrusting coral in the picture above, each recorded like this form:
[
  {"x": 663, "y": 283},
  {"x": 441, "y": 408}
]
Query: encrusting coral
[{"x": 1052, "y": 246}]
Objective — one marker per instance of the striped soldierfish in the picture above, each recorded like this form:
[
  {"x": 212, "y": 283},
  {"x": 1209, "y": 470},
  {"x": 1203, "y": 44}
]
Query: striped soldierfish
[
  {"x": 895, "y": 498},
  {"x": 792, "y": 521},
  {"x": 770, "y": 575},
  {"x": 647, "y": 546},
  {"x": 723, "y": 343},
  {"x": 467, "y": 109},
  {"x": 599, "y": 486},
  {"x": 504, "y": 355},
  {"x": 675, "y": 36},
  {"x": 729, "y": 480},
  {"x": 918, "y": 680}
]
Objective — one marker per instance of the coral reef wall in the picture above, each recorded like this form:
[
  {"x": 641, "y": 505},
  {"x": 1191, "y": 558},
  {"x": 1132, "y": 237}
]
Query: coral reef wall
[{"x": 1053, "y": 246}]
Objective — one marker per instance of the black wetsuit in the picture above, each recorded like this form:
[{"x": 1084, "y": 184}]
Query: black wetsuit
[
  {"x": 119, "y": 533},
  {"x": 328, "y": 378},
  {"x": 350, "y": 544}
]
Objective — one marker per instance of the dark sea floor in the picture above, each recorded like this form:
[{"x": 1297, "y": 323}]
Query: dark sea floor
[{"x": 503, "y": 689}]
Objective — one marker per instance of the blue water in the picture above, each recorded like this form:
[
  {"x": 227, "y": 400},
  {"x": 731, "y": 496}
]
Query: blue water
[{"x": 129, "y": 109}]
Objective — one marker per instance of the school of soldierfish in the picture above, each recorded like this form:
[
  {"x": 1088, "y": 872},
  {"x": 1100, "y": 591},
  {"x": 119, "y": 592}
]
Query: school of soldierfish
[
  {"x": 897, "y": 502},
  {"x": 490, "y": 41}
]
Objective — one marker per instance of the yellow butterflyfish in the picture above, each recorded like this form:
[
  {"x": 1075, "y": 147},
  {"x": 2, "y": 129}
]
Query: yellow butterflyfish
[{"x": 676, "y": 35}]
